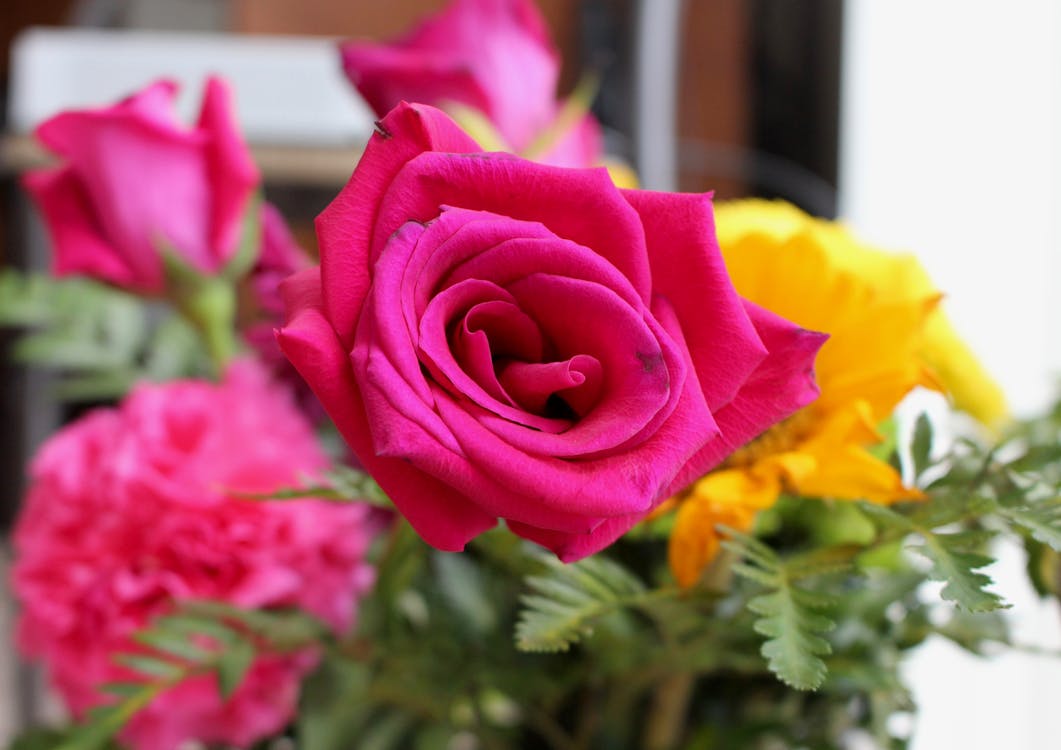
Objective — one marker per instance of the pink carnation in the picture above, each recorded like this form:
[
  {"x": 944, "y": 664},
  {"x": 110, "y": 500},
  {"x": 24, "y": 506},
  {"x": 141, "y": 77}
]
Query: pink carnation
[{"x": 131, "y": 509}]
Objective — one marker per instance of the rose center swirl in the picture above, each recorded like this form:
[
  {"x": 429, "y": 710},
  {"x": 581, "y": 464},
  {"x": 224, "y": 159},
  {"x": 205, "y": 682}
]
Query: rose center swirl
[{"x": 542, "y": 341}]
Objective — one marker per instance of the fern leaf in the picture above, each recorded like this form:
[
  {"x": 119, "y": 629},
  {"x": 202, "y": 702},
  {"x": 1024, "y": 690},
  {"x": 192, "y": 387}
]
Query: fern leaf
[
  {"x": 789, "y": 617},
  {"x": 151, "y": 666},
  {"x": 232, "y": 666},
  {"x": 173, "y": 644},
  {"x": 953, "y": 560},
  {"x": 1042, "y": 520},
  {"x": 567, "y": 599},
  {"x": 957, "y": 567}
]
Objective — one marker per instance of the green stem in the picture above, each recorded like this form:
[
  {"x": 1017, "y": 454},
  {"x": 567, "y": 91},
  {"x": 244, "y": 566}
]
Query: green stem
[
  {"x": 573, "y": 109},
  {"x": 670, "y": 705},
  {"x": 212, "y": 309},
  {"x": 544, "y": 724}
]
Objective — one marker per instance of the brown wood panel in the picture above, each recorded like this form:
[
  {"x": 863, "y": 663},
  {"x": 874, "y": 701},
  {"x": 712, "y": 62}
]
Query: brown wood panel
[
  {"x": 372, "y": 20},
  {"x": 715, "y": 103},
  {"x": 330, "y": 17}
]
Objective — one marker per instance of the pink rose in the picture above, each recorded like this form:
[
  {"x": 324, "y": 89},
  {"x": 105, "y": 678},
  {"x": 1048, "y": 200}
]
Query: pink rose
[
  {"x": 494, "y": 56},
  {"x": 497, "y": 338},
  {"x": 131, "y": 509},
  {"x": 132, "y": 178}
]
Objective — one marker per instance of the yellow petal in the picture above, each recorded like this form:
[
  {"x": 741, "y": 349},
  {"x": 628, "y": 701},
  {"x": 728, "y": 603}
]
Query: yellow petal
[
  {"x": 895, "y": 280},
  {"x": 694, "y": 541},
  {"x": 845, "y": 470},
  {"x": 972, "y": 389},
  {"x": 731, "y": 498},
  {"x": 736, "y": 488}
]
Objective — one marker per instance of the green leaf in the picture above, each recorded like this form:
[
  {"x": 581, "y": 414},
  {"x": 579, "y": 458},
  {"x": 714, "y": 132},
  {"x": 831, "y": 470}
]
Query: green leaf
[
  {"x": 334, "y": 706},
  {"x": 191, "y": 625},
  {"x": 1042, "y": 520},
  {"x": 767, "y": 578},
  {"x": 102, "y": 339},
  {"x": 283, "y": 629},
  {"x": 38, "y": 739},
  {"x": 791, "y": 618},
  {"x": 124, "y": 689},
  {"x": 921, "y": 445},
  {"x": 151, "y": 666},
  {"x": 172, "y": 643},
  {"x": 250, "y": 240},
  {"x": 389, "y": 732},
  {"x": 793, "y": 628},
  {"x": 104, "y": 722},
  {"x": 357, "y": 486},
  {"x": 822, "y": 561},
  {"x": 232, "y": 667},
  {"x": 573, "y": 109},
  {"x": 958, "y": 569},
  {"x": 567, "y": 599},
  {"x": 974, "y": 631},
  {"x": 462, "y": 585},
  {"x": 953, "y": 562},
  {"x": 172, "y": 351},
  {"x": 341, "y": 484},
  {"x": 1044, "y": 568}
]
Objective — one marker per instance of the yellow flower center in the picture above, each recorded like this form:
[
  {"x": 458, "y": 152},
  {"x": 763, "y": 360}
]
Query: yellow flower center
[{"x": 781, "y": 438}]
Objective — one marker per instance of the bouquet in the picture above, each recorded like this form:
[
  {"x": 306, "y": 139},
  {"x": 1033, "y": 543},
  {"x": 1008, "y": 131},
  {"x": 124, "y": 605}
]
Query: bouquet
[{"x": 527, "y": 457}]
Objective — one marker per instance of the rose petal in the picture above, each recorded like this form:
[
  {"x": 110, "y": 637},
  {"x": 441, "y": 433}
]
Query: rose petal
[
  {"x": 80, "y": 247},
  {"x": 346, "y": 226},
  {"x": 687, "y": 269},
  {"x": 231, "y": 170},
  {"x": 442, "y": 516},
  {"x": 582, "y": 206},
  {"x": 108, "y": 149},
  {"x": 782, "y": 385},
  {"x": 494, "y": 55},
  {"x": 577, "y": 379},
  {"x": 437, "y": 355}
]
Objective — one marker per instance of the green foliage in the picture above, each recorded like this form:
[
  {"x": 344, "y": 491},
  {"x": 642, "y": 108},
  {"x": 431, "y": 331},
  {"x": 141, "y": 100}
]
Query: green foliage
[
  {"x": 50, "y": 739},
  {"x": 100, "y": 339},
  {"x": 954, "y": 558},
  {"x": 333, "y": 708},
  {"x": 341, "y": 484},
  {"x": 921, "y": 445},
  {"x": 796, "y": 642},
  {"x": 567, "y": 599},
  {"x": 202, "y": 637},
  {"x": 250, "y": 240},
  {"x": 1041, "y": 519},
  {"x": 790, "y": 617}
]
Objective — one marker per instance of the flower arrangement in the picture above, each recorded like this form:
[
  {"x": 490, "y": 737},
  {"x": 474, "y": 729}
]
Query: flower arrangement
[{"x": 617, "y": 468}]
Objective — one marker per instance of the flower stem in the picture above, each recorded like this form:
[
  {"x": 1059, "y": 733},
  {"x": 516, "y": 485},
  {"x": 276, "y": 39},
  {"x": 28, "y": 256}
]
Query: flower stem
[{"x": 670, "y": 704}]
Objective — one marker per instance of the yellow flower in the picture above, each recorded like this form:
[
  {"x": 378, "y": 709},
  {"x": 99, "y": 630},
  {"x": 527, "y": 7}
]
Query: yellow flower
[
  {"x": 887, "y": 335},
  {"x": 895, "y": 277}
]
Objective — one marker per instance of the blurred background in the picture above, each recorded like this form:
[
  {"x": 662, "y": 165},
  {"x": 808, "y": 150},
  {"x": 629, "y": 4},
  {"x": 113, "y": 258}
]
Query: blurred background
[{"x": 930, "y": 125}]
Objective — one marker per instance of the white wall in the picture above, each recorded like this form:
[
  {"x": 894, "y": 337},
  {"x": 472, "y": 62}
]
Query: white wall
[{"x": 951, "y": 120}]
